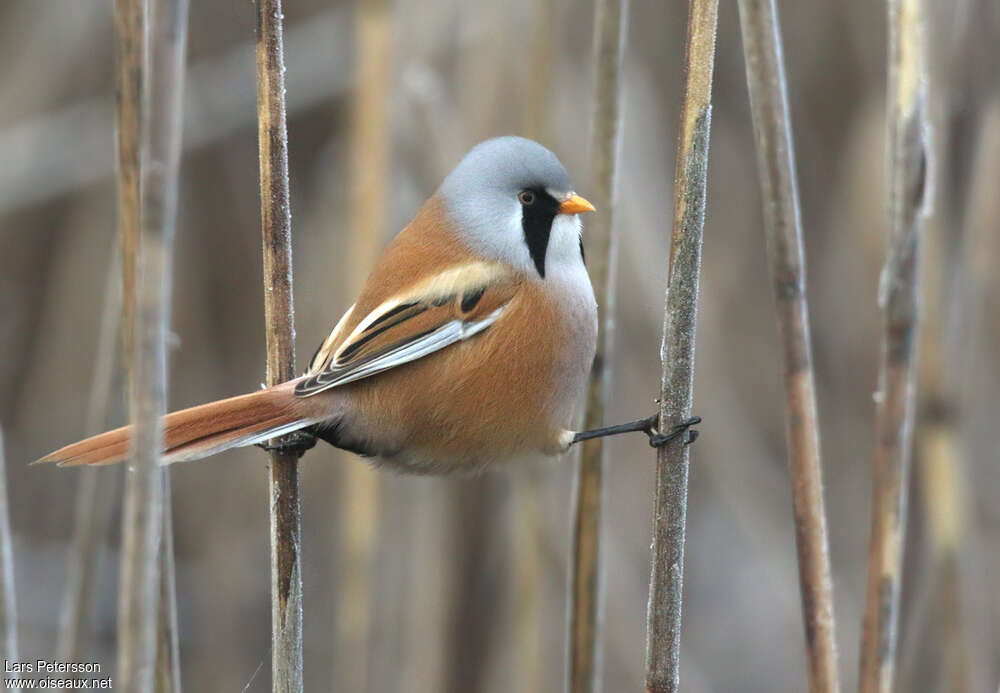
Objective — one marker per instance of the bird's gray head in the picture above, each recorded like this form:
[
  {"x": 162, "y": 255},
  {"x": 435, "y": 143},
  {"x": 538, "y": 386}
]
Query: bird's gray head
[{"x": 513, "y": 201}]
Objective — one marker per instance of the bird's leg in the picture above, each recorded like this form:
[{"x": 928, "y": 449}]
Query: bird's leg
[{"x": 647, "y": 426}]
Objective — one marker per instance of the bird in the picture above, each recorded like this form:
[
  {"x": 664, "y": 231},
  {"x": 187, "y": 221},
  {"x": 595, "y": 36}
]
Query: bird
[{"x": 469, "y": 344}]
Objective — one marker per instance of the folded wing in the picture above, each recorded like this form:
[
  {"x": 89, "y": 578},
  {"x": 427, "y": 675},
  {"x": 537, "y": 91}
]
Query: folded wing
[{"x": 448, "y": 308}]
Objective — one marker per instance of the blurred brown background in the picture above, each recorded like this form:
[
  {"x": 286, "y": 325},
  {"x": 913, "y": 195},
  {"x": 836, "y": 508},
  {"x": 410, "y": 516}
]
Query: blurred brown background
[{"x": 418, "y": 584}]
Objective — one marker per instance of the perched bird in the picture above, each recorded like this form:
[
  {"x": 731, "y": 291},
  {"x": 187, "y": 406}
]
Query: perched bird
[{"x": 470, "y": 342}]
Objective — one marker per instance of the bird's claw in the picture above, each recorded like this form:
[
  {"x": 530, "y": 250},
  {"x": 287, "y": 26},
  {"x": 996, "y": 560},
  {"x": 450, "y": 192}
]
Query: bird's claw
[
  {"x": 657, "y": 439},
  {"x": 296, "y": 441}
]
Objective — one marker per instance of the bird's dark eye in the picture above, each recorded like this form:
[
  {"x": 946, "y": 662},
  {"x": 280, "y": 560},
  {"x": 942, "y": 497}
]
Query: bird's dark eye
[{"x": 526, "y": 197}]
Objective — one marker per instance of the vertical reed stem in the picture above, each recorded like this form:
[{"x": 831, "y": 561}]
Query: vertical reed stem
[
  {"x": 907, "y": 164},
  {"x": 161, "y": 107},
  {"x": 610, "y": 30},
  {"x": 97, "y": 486},
  {"x": 129, "y": 76},
  {"x": 783, "y": 232},
  {"x": 279, "y": 318},
  {"x": 168, "y": 661},
  {"x": 360, "y": 494},
  {"x": 666, "y": 579},
  {"x": 8, "y": 596},
  {"x": 136, "y": 645}
]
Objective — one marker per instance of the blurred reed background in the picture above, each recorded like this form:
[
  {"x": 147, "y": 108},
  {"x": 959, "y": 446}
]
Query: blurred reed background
[{"x": 422, "y": 584}]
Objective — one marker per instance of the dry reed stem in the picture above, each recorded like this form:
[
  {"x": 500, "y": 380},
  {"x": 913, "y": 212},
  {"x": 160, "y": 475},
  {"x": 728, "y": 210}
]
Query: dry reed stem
[
  {"x": 136, "y": 608},
  {"x": 907, "y": 163},
  {"x": 161, "y": 108},
  {"x": 941, "y": 484},
  {"x": 539, "y": 66},
  {"x": 45, "y": 174},
  {"x": 360, "y": 493},
  {"x": 939, "y": 457},
  {"x": 170, "y": 18},
  {"x": 610, "y": 32},
  {"x": 8, "y": 596},
  {"x": 666, "y": 579},
  {"x": 168, "y": 660},
  {"x": 476, "y": 594},
  {"x": 527, "y": 579},
  {"x": 129, "y": 20},
  {"x": 279, "y": 319},
  {"x": 981, "y": 298},
  {"x": 949, "y": 304},
  {"x": 783, "y": 231},
  {"x": 97, "y": 487},
  {"x": 371, "y": 129}
]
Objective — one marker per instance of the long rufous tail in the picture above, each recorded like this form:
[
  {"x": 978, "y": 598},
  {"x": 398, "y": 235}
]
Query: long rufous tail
[{"x": 191, "y": 434}]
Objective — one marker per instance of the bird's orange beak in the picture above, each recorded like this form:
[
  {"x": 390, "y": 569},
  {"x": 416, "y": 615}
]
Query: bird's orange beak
[{"x": 574, "y": 204}]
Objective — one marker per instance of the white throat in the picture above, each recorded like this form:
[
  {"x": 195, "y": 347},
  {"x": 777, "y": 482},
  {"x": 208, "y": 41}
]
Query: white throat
[{"x": 563, "y": 253}]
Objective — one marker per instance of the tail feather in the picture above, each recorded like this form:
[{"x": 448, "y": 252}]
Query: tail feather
[{"x": 207, "y": 429}]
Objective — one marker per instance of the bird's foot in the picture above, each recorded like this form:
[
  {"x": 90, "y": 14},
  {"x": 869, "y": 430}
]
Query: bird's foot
[
  {"x": 296, "y": 441},
  {"x": 658, "y": 440},
  {"x": 649, "y": 427}
]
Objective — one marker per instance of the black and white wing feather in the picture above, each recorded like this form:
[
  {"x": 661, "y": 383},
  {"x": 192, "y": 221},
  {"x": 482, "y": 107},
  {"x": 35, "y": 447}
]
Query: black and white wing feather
[{"x": 409, "y": 327}]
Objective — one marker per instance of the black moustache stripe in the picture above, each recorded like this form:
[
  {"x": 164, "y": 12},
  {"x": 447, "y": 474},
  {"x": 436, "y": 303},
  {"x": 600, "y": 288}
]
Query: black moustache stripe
[{"x": 537, "y": 221}]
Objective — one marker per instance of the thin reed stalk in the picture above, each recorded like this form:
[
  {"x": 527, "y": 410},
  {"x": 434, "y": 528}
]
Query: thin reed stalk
[
  {"x": 170, "y": 18},
  {"x": 942, "y": 653},
  {"x": 8, "y": 595},
  {"x": 279, "y": 320},
  {"x": 981, "y": 296},
  {"x": 539, "y": 64},
  {"x": 168, "y": 659},
  {"x": 943, "y": 657},
  {"x": 97, "y": 487},
  {"x": 129, "y": 77},
  {"x": 907, "y": 164},
  {"x": 360, "y": 491},
  {"x": 477, "y": 594},
  {"x": 527, "y": 579},
  {"x": 610, "y": 32},
  {"x": 165, "y": 32},
  {"x": 783, "y": 233},
  {"x": 680, "y": 315},
  {"x": 136, "y": 612},
  {"x": 48, "y": 173}
]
